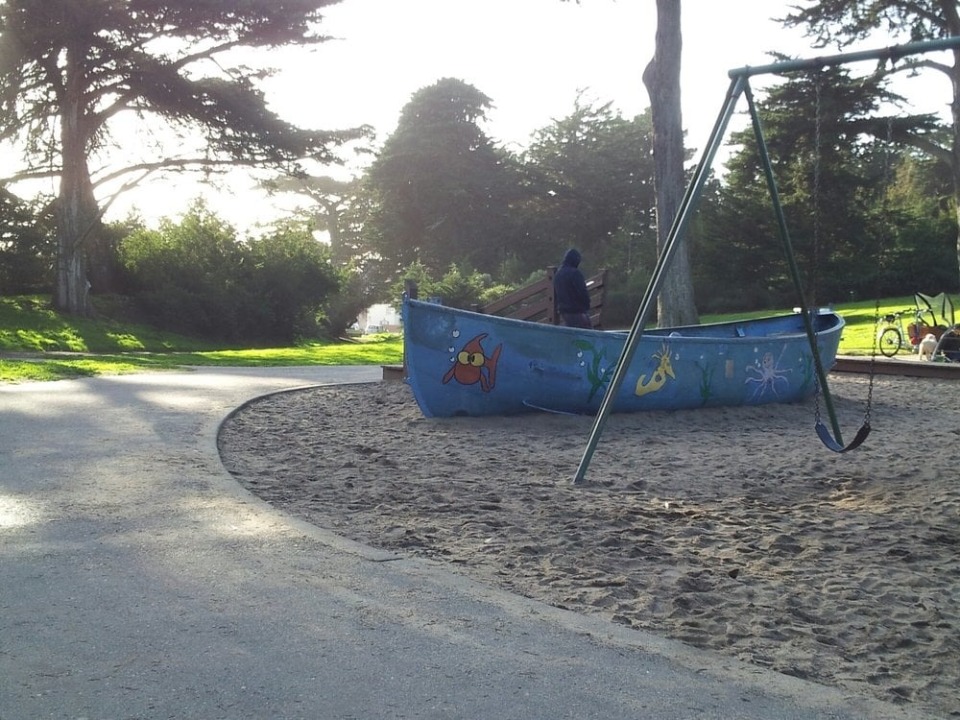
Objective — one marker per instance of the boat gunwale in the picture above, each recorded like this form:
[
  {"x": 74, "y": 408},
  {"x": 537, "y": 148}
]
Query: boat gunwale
[{"x": 699, "y": 333}]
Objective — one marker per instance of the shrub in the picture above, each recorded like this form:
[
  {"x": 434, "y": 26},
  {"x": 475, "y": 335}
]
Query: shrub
[
  {"x": 195, "y": 277},
  {"x": 27, "y": 246}
]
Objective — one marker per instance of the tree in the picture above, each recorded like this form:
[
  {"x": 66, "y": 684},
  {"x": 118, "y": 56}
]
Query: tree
[
  {"x": 675, "y": 305},
  {"x": 820, "y": 137},
  {"x": 843, "y": 22},
  {"x": 920, "y": 214},
  {"x": 69, "y": 68},
  {"x": 455, "y": 287},
  {"x": 584, "y": 175},
  {"x": 848, "y": 194},
  {"x": 26, "y": 245},
  {"x": 340, "y": 210},
  {"x": 333, "y": 200},
  {"x": 184, "y": 274},
  {"x": 441, "y": 188}
]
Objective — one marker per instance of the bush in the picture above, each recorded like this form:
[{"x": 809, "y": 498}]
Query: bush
[
  {"x": 340, "y": 311},
  {"x": 28, "y": 247},
  {"x": 195, "y": 277},
  {"x": 459, "y": 288},
  {"x": 288, "y": 277}
]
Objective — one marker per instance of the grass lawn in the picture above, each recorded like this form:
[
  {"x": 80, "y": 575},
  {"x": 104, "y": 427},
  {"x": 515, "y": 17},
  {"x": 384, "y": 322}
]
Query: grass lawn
[
  {"x": 861, "y": 321},
  {"x": 37, "y": 343}
]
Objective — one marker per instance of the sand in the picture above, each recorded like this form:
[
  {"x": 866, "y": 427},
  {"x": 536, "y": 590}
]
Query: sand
[{"x": 731, "y": 529}]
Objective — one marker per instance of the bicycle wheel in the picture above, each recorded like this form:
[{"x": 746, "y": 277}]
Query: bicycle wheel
[{"x": 889, "y": 342}]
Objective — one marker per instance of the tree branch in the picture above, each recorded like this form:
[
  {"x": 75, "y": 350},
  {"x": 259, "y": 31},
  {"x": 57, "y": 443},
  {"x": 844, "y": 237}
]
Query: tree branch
[
  {"x": 30, "y": 175},
  {"x": 942, "y": 154},
  {"x": 146, "y": 167},
  {"x": 176, "y": 164},
  {"x": 916, "y": 64}
]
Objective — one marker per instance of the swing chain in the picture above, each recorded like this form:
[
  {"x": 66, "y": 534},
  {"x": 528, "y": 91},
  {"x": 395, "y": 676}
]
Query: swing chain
[
  {"x": 816, "y": 227},
  {"x": 873, "y": 361},
  {"x": 816, "y": 402},
  {"x": 876, "y": 313},
  {"x": 818, "y": 150},
  {"x": 822, "y": 430}
]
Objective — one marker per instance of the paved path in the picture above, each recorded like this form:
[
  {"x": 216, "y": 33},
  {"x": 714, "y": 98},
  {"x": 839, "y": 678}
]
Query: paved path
[{"x": 137, "y": 580}]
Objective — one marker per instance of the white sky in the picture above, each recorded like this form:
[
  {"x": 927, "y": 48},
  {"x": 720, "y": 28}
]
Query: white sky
[{"x": 531, "y": 57}]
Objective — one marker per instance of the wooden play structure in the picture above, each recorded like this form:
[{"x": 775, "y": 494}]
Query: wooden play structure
[{"x": 535, "y": 302}]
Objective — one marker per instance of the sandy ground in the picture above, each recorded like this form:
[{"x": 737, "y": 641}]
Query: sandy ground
[{"x": 731, "y": 529}]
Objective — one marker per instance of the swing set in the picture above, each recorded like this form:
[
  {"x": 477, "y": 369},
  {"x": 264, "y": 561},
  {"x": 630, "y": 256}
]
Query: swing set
[{"x": 740, "y": 86}]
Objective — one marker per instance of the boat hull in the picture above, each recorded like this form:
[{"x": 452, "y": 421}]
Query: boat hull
[{"x": 460, "y": 363}]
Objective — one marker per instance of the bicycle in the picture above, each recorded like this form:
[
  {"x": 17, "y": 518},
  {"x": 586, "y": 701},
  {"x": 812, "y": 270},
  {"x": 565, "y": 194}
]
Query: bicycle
[{"x": 892, "y": 336}]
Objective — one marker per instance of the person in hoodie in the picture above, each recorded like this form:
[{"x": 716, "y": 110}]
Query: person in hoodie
[{"x": 570, "y": 292}]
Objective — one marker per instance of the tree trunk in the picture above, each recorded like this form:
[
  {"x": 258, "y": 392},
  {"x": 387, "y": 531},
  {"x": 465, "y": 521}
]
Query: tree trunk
[
  {"x": 77, "y": 215},
  {"x": 675, "y": 304}
]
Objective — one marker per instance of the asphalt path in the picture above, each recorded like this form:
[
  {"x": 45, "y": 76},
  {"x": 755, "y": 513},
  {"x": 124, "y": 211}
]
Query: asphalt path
[{"x": 139, "y": 581}]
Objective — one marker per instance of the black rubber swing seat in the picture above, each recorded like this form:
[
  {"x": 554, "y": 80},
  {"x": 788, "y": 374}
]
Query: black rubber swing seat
[{"x": 827, "y": 439}]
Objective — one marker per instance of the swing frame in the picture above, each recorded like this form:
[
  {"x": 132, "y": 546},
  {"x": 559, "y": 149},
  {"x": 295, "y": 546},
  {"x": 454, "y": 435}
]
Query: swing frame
[{"x": 740, "y": 86}]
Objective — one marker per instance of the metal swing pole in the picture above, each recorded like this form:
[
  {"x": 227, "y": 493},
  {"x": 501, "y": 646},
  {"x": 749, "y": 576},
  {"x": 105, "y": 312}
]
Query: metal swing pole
[
  {"x": 739, "y": 83},
  {"x": 677, "y": 229},
  {"x": 792, "y": 263},
  {"x": 893, "y": 52}
]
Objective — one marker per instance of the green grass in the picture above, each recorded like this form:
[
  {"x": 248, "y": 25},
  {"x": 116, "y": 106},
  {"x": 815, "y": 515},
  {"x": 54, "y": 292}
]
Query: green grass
[
  {"x": 30, "y": 324},
  {"x": 861, "y": 321},
  {"x": 379, "y": 350},
  {"x": 36, "y": 343}
]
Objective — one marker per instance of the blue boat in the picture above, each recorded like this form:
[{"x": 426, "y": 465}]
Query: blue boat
[{"x": 462, "y": 363}]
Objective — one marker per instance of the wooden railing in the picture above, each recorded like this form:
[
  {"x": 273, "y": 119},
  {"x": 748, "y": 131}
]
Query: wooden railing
[{"x": 535, "y": 302}]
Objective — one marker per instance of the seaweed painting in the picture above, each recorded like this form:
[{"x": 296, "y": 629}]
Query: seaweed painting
[{"x": 599, "y": 368}]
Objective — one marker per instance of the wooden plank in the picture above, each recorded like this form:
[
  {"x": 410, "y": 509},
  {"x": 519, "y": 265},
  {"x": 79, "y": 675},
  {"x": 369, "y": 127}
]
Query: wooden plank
[
  {"x": 517, "y": 297},
  {"x": 908, "y": 367},
  {"x": 539, "y": 311},
  {"x": 535, "y": 302},
  {"x": 393, "y": 372}
]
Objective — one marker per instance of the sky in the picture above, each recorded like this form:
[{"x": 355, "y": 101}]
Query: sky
[{"x": 531, "y": 57}]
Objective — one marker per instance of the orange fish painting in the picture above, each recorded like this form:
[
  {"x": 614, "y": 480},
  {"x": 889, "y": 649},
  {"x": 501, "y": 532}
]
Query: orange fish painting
[{"x": 472, "y": 365}]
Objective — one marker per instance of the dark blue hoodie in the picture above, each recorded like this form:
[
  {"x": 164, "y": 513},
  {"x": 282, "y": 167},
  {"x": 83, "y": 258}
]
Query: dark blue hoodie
[{"x": 569, "y": 285}]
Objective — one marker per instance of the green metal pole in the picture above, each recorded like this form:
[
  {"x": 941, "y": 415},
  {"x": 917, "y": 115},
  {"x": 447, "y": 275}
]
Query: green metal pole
[
  {"x": 792, "y": 262},
  {"x": 678, "y": 228},
  {"x": 893, "y": 52},
  {"x": 739, "y": 83}
]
